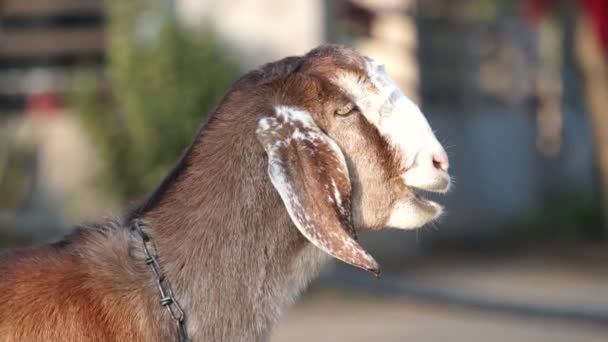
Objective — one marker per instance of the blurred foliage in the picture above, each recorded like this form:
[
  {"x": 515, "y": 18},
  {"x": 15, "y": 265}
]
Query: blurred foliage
[
  {"x": 578, "y": 220},
  {"x": 16, "y": 165},
  {"x": 490, "y": 9},
  {"x": 16, "y": 178},
  {"x": 559, "y": 223},
  {"x": 161, "y": 81}
]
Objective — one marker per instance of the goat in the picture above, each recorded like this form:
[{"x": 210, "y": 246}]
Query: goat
[{"x": 298, "y": 157}]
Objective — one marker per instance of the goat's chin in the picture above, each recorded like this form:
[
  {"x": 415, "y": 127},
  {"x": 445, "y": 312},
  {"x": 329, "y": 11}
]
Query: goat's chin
[{"x": 413, "y": 212}]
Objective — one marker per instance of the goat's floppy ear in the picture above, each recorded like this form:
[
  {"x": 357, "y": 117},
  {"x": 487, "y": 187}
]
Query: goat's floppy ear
[{"x": 308, "y": 170}]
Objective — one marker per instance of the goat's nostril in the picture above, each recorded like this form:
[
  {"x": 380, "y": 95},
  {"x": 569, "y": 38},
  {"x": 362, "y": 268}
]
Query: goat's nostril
[{"x": 441, "y": 163}]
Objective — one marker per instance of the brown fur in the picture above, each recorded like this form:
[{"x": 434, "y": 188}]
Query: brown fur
[{"x": 226, "y": 242}]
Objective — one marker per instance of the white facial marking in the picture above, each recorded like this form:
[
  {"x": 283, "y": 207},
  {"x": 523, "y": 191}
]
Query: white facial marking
[
  {"x": 397, "y": 118},
  {"x": 402, "y": 124},
  {"x": 400, "y": 120}
]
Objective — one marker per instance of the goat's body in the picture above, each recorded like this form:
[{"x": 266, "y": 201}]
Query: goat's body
[
  {"x": 278, "y": 164},
  {"x": 95, "y": 287},
  {"x": 59, "y": 293},
  {"x": 233, "y": 264}
]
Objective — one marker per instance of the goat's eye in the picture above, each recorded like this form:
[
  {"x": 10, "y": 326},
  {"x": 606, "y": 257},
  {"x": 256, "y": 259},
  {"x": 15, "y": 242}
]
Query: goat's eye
[{"x": 346, "y": 109}]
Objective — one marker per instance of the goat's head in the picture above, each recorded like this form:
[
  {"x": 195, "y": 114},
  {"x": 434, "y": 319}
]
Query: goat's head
[{"x": 347, "y": 151}]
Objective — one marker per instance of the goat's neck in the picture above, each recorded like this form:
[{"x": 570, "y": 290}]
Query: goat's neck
[{"x": 226, "y": 241}]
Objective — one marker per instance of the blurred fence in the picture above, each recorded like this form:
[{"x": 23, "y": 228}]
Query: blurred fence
[{"x": 40, "y": 44}]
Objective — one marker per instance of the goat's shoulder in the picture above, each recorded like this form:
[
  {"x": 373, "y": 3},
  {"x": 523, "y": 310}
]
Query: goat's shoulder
[{"x": 66, "y": 291}]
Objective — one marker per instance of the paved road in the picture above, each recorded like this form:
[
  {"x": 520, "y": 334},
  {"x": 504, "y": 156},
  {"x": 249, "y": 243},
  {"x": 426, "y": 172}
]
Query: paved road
[{"x": 329, "y": 315}]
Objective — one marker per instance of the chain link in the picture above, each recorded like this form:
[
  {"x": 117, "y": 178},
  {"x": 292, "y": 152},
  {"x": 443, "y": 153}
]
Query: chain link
[{"x": 167, "y": 296}]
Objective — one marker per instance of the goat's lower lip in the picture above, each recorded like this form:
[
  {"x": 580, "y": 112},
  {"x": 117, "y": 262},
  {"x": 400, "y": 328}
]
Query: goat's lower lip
[{"x": 426, "y": 203}]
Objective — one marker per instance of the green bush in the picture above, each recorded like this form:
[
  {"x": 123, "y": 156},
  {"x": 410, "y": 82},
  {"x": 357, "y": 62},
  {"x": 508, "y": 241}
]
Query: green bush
[
  {"x": 17, "y": 162},
  {"x": 160, "y": 82}
]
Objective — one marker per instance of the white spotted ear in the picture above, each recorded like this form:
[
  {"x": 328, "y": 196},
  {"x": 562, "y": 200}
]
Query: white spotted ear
[{"x": 308, "y": 170}]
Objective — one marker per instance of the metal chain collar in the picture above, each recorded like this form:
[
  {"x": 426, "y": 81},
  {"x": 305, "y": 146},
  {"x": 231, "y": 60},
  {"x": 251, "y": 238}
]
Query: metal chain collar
[{"x": 167, "y": 297}]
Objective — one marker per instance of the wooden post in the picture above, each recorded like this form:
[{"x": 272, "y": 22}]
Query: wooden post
[{"x": 593, "y": 63}]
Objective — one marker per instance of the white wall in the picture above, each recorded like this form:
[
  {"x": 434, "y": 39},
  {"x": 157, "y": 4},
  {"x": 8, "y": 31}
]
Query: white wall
[{"x": 262, "y": 30}]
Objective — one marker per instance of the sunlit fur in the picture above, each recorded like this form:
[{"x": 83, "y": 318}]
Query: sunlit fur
[{"x": 235, "y": 255}]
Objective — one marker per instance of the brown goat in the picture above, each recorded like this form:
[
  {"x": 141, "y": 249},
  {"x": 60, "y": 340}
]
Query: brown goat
[{"x": 298, "y": 156}]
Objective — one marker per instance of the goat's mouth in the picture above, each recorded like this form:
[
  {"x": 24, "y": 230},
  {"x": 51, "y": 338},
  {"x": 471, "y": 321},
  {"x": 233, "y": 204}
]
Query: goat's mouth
[
  {"x": 439, "y": 184},
  {"x": 431, "y": 207},
  {"x": 414, "y": 211}
]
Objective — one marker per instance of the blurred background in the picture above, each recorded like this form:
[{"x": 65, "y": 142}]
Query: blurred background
[{"x": 99, "y": 98}]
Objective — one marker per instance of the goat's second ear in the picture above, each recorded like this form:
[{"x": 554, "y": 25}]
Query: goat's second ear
[{"x": 308, "y": 170}]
